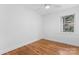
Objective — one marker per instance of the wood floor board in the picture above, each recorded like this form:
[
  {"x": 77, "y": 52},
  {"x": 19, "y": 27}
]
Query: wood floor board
[{"x": 45, "y": 47}]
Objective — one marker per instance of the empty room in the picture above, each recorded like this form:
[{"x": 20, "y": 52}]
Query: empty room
[{"x": 39, "y": 29}]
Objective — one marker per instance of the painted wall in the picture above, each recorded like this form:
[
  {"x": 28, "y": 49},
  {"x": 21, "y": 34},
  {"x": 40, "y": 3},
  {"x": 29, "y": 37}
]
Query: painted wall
[
  {"x": 18, "y": 26},
  {"x": 52, "y": 28}
]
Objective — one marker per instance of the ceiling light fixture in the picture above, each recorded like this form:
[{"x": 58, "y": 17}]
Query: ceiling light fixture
[{"x": 47, "y": 6}]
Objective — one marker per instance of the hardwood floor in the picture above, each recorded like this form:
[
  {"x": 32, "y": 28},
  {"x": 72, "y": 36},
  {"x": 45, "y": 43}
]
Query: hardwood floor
[{"x": 45, "y": 47}]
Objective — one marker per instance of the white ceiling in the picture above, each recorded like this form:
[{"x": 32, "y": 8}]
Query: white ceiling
[{"x": 40, "y": 8}]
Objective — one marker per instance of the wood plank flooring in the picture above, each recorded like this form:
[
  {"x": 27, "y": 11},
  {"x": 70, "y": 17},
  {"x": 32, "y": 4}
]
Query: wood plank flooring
[{"x": 45, "y": 47}]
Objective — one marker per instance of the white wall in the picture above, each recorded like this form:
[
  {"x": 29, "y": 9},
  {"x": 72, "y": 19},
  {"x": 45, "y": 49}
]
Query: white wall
[
  {"x": 52, "y": 28},
  {"x": 18, "y": 26}
]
